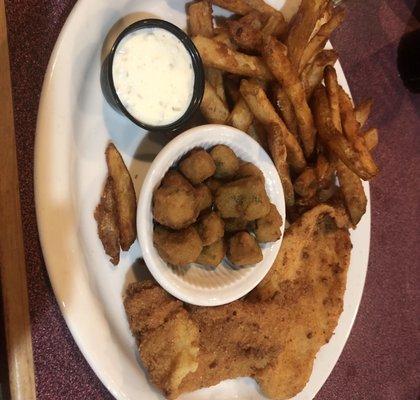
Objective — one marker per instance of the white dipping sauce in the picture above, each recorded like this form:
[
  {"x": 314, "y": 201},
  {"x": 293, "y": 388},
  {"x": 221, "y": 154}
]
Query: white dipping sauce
[{"x": 153, "y": 76}]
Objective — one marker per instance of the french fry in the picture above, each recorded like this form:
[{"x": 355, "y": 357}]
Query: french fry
[
  {"x": 223, "y": 37},
  {"x": 371, "y": 138},
  {"x": 241, "y": 116},
  {"x": 324, "y": 171},
  {"x": 335, "y": 140},
  {"x": 125, "y": 196},
  {"x": 277, "y": 149},
  {"x": 353, "y": 194},
  {"x": 274, "y": 26},
  {"x": 324, "y": 18},
  {"x": 313, "y": 73},
  {"x": 351, "y": 130},
  {"x": 246, "y": 31},
  {"x": 306, "y": 184},
  {"x": 362, "y": 111},
  {"x": 215, "y": 78},
  {"x": 106, "y": 217},
  {"x": 286, "y": 109},
  {"x": 331, "y": 84},
  {"x": 236, "y": 6},
  {"x": 302, "y": 26},
  {"x": 218, "y": 55},
  {"x": 265, "y": 113},
  {"x": 200, "y": 19},
  {"x": 274, "y": 55},
  {"x": 212, "y": 106},
  {"x": 318, "y": 42}
]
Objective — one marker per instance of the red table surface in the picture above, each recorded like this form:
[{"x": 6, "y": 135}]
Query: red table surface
[{"x": 381, "y": 358}]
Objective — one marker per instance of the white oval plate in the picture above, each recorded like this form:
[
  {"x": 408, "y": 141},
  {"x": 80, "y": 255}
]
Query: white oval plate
[{"x": 74, "y": 125}]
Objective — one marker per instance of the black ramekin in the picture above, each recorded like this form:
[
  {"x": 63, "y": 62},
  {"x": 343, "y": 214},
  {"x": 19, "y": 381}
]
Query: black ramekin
[{"x": 107, "y": 80}]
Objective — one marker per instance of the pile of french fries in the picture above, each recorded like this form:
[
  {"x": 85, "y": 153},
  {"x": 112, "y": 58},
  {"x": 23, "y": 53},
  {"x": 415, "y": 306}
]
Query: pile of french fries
[{"x": 275, "y": 81}]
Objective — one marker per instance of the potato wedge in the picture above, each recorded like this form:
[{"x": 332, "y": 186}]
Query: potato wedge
[
  {"x": 274, "y": 54},
  {"x": 265, "y": 113},
  {"x": 241, "y": 116},
  {"x": 362, "y": 111},
  {"x": 106, "y": 217},
  {"x": 218, "y": 55},
  {"x": 313, "y": 73},
  {"x": 246, "y": 31},
  {"x": 302, "y": 26},
  {"x": 125, "y": 196},
  {"x": 200, "y": 19},
  {"x": 318, "y": 42},
  {"x": 212, "y": 106}
]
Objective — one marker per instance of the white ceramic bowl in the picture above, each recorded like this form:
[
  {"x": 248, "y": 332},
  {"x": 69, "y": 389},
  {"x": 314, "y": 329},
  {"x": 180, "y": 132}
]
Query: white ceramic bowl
[{"x": 196, "y": 284}]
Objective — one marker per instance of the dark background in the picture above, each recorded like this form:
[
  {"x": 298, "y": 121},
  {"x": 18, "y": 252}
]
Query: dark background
[{"x": 382, "y": 357}]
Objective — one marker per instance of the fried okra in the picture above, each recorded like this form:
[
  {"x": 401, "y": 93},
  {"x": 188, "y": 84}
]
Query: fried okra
[
  {"x": 174, "y": 178},
  {"x": 213, "y": 255},
  {"x": 211, "y": 228},
  {"x": 213, "y": 184},
  {"x": 244, "y": 198},
  {"x": 268, "y": 227},
  {"x": 204, "y": 197},
  {"x": 248, "y": 169},
  {"x": 243, "y": 249},
  {"x": 197, "y": 166},
  {"x": 227, "y": 164},
  {"x": 178, "y": 248}
]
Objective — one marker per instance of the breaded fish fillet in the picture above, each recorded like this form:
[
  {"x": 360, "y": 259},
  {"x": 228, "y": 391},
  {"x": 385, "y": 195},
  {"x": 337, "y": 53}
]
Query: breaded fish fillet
[{"x": 272, "y": 335}]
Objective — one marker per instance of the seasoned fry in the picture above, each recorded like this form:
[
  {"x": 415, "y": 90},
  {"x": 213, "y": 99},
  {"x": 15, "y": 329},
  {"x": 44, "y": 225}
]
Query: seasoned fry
[
  {"x": 306, "y": 183},
  {"x": 333, "y": 139},
  {"x": 265, "y": 113},
  {"x": 317, "y": 43},
  {"x": 302, "y": 27},
  {"x": 240, "y": 117},
  {"x": 351, "y": 129},
  {"x": 106, "y": 217},
  {"x": 218, "y": 55},
  {"x": 236, "y": 6},
  {"x": 212, "y": 106},
  {"x": 331, "y": 84},
  {"x": 371, "y": 138},
  {"x": 125, "y": 196},
  {"x": 281, "y": 67},
  {"x": 274, "y": 26},
  {"x": 324, "y": 171},
  {"x": 362, "y": 111},
  {"x": 313, "y": 73},
  {"x": 200, "y": 19},
  {"x": 246, "y": 31},
  {"x": 352, "y": 189},
  {"x": 286, "y": 109},
  {"x": 215, "y": 78},
  {"x": 277, "y": 148}
]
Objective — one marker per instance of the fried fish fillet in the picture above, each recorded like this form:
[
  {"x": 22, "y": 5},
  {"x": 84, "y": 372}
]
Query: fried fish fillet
[{"x": 273, "y": 335}]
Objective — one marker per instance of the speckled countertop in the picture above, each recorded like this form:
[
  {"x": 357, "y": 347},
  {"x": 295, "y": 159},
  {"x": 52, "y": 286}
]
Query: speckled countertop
[{"x": 381, "y": 359}]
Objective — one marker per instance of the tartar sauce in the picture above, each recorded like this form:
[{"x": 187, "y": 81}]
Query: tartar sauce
[{"x": 153, "y": 76}]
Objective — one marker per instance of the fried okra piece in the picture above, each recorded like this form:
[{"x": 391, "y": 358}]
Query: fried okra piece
[
  {"x": 203, "y": 196},
  {"x": 175, "y": 178},
  {"x": 243, "y": 198},
  {"x": 247, "y": 169},
  {"x": 268, "y": 228},
  {"x": 178, "y": 248},
  {"x": 227, "y": 164},
  {"x": 213, "y": 184},
  {"x": 197, "y": 166},
  {"x": 175, "y": 207},
  {"x": 243, "y": 249},
  {"x": 211, "y": 228},
  {"x": 213, "y": 255}
]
